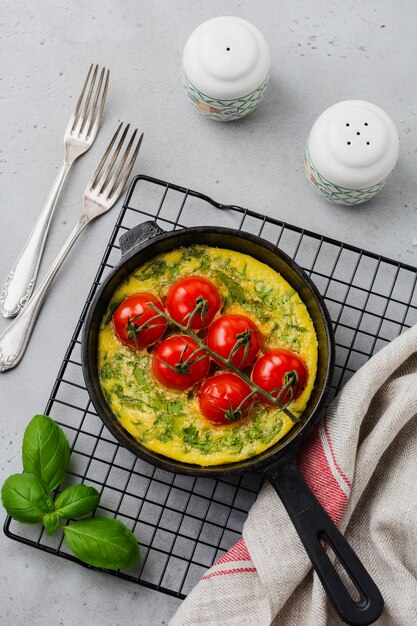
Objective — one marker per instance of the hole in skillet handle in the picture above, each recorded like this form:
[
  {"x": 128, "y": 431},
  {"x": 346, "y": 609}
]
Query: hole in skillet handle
[
  {"x": 313, "y": 526},
  {"x": 353, "y": 591},
  {"x": 139, "y": 234}
]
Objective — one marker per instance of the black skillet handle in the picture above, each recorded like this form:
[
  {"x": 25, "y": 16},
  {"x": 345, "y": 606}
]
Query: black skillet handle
[
  {"x": 139, "y": 234},
  {"x": 313, "y": 525}
]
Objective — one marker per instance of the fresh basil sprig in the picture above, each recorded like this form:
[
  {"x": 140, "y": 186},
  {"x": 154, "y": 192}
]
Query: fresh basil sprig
[
  {"x": 51, "y": 522},
  {"x": 75, "y": 501},
  {"x": 45, "y": 451},
  {"x": 102, "y": 542},
  {"x": 26, "y": 498}
]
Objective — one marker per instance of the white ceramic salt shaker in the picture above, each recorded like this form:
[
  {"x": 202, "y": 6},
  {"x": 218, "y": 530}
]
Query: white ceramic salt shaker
[
  {"x": 351, "y": 152},
  {"x": 225, "y": 68}
]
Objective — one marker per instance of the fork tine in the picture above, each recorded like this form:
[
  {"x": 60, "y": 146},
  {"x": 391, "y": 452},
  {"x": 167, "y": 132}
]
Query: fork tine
[
  {"x": 106, "y": 175},
  {"x": 93, "y": 180},
  {"x": 103, "y": 99},
  {"x": 115, "y": 193},
  {"x": 80, "y": 99},
  {"x": 111, "y": 182},
  {"x": 87, "y": 121},
  {"x": 86, "y": 116},
  {"x": 94, "y": 114},
  {"x": 79, "y": 118},
  {"x": 80, "y": 121}
]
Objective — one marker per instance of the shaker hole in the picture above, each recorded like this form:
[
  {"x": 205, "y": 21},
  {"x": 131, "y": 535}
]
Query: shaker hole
[
  {"x": 358, "y": 133},
  {"x": 228, "y": 49},
  {"x": 347, "y": 124},
  {"x": 367, "y": 143},
  {"x": 366, "y": 124},
  {"x": 348, "y": 143}
]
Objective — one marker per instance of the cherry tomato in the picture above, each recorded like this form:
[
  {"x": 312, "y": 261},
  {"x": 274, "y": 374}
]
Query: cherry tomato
[
  {"x": 178, "y": 362},
  {"x": 235, "y": 334},
  {"x": 193, "y": 300},
  {"x": 222, "y": 398},
  {"x": 133, "y": 313},
  {"x": 283, "y": 374}
]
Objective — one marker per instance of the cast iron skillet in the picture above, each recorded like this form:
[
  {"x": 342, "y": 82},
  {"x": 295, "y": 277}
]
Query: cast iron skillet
[{"x": 277, "y": 464}]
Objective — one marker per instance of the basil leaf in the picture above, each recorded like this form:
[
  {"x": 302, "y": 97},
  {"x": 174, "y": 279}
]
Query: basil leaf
[
  {"x": 299, "y": 329},
  {"x": 110, "y": 310},
  {"x": 76, "y": 501},
  {"x": 176, "y": 407},
  {"x": 103, "y": 542},
  {"x": 140, "y": 376},
  {"x": 236, "y": 291},
  {"x": 51, "y": 522},
  {"x": 191, "y": 438},
  {"x": 153, "y": 269},
  {"x": 26, "y": 498},
  {"x": 45, "y": 451}
]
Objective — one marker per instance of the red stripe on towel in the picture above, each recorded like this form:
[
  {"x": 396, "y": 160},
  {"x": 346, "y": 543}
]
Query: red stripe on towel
[
  {"x": 329, "y": 441},
  {"x": 236, "y": 570},
  {"x": 317, "y": 473},
  {"x": 238, "y": 552}
]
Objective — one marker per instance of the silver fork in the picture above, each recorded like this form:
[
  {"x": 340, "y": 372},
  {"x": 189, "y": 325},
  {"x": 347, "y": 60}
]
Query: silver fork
[
  {"x": 102, "y": 191},
  {"x": 79, "y": 137}
]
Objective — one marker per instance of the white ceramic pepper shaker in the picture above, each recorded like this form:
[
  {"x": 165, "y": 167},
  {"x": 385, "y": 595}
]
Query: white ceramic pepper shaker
[
  {"x": 225, "y": 68},
  {"x": 351, "y": 152}
]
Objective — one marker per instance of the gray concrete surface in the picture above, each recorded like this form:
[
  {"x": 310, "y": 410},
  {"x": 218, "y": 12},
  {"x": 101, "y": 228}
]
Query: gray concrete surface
[{"x": 322, "y": 52}]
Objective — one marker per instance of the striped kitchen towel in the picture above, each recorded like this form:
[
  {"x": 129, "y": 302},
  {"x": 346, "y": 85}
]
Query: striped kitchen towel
[{"x": 361, "y": 464}]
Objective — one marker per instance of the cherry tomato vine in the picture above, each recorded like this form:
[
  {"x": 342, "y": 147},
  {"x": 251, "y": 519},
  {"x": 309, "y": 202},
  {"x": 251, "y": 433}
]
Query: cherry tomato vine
[
  {"x": 226, "y": 363},
  {"x": 232, "y": 341}
]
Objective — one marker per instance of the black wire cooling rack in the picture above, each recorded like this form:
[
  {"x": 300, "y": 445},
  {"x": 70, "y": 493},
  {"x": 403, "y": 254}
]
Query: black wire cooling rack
[{"x": 184, "y": 524}]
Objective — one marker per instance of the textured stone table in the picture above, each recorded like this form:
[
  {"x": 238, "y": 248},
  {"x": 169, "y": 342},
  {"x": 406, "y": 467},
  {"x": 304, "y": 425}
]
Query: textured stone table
[{"x": 321, "y": 53}]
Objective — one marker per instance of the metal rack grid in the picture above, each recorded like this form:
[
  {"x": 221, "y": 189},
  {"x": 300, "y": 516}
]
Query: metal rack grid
[{"x": 184, "y": 524}]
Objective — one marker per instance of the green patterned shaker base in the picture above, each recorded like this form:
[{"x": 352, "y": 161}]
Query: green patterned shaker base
[
  {"x": 338, "y": 195},
  {"x": 224, "y": 110}
]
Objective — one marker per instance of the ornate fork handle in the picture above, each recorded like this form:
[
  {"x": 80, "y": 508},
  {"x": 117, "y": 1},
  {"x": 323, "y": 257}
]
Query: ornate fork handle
[
  {"x": 102, "y": 192},
  {"x": 14, "y": 339},
  {"x": 79, "y": 136},
  {"x": 20, "y": 282}
]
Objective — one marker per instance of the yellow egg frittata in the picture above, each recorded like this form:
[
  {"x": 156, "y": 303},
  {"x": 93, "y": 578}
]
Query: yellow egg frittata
[{"x": 169, "y": 422}]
